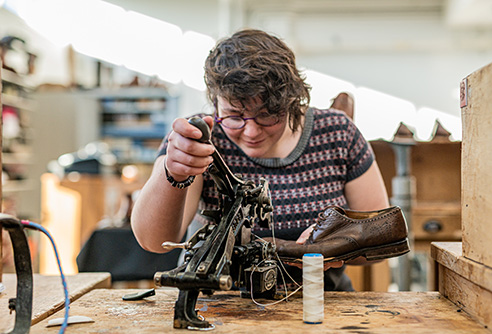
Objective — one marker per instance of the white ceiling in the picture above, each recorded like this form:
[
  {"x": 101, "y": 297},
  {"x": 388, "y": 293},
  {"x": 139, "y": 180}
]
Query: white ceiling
[
  {"x": 347, "y": 6},
  {"x": 469, "y": 13},
  {"x": 414, "y": 50},
  {"x": 456, "y": 13},
  {"x": 417, "y": 50},
  {"x": 327, "y": 26}
]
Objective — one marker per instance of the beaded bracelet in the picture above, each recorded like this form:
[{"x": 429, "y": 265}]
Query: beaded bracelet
[{"x": 179, "y": 185}]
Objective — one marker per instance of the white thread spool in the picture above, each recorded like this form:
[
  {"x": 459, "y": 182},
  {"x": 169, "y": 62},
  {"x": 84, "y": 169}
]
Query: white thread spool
[{"x": 313, "y": 288}]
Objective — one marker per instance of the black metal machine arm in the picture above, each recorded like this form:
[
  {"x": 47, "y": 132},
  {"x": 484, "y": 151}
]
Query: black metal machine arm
[
  {"x": 223, "y": 254},
  {"x": 22, "y": 304}
]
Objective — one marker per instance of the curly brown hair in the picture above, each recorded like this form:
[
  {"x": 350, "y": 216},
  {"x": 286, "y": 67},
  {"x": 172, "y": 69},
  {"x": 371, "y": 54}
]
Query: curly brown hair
[{"x": 252, "y": 63}]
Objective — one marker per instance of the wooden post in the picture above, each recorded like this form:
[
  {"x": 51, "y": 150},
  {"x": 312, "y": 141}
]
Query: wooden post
[
  {"x": 476, "y": 163},
  {"x": 465, "y": 269}
]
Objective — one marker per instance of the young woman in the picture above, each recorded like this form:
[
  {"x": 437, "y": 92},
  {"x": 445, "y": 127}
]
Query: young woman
[{"x": 263, "y": 127}]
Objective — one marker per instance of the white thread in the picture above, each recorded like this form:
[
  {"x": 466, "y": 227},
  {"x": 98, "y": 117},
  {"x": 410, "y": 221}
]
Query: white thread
[
  {"x": 286, "y": 294},
  {"x": 283, "y": 269},
  {"x": 313, "y": 291}
]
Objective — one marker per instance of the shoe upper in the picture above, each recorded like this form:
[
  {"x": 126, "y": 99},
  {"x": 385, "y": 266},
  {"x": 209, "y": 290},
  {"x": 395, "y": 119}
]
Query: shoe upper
[
  {"x": 340, "y": 232},
  {"x": 363, "y": 228}
]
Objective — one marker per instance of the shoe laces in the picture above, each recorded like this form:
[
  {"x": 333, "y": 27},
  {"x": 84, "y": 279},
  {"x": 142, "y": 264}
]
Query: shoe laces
[
  {"x": 322, "y": 216},
  {"x": 327, "y": 212}
]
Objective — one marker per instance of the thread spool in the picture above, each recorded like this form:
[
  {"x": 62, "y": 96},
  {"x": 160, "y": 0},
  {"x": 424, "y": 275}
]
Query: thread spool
[{"x": 313, "y": 288}]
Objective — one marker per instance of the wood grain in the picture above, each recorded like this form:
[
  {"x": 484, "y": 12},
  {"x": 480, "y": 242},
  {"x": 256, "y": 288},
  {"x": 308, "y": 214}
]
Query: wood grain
[
  {"x": 345, "y": 312},
  {"x": 437, "y": 168},
  {"x": 48, "y": 295},
  {"x": 476, "y": 165},
  {"x": 446, "y": 214},
  {"x": 450, "y": 255},
  {"x": 467, "y": 295},
  {"x": 466, "y": 283}
]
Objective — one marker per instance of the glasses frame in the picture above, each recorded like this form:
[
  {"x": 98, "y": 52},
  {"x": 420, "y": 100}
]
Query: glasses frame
[{"x": 219, "y": 120}]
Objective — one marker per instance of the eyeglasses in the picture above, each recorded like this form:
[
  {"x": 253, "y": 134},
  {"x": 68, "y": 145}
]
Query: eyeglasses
[{"x": 238, "y": 122}]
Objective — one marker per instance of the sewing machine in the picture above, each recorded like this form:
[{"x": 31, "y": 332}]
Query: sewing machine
[{"x": 224, "y": 254}]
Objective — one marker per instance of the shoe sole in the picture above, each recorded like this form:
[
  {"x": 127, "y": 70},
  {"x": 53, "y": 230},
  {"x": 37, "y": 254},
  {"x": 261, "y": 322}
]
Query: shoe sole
[{"x": 370, "y": 253}]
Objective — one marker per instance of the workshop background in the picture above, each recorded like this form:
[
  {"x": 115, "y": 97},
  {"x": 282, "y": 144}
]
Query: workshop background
[{"x": 90, "y": 88}]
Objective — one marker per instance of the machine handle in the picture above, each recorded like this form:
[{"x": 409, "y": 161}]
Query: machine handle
[
  {"x": 203, "y": 127},
  {"x": 222, "y": 175}
]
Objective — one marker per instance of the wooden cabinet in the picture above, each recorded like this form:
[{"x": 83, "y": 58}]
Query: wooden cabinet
[
  {"x": 436, "y": 221},
  {"x": 376, "y": 277},
  {"x": 72, "y": 210},
  {"x": 436, "y": 208},
  {"x": 436, "y": 168}
]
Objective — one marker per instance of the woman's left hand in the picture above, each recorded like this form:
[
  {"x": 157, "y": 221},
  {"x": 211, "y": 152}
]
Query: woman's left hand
[
  {"x": 302, "y": 239},
  {"x": 305, "y": 235},
  {"x": 326, "y": 265}
]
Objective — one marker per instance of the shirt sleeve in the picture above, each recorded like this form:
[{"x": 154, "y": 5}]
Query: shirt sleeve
[{"x": 359, "y": 153}]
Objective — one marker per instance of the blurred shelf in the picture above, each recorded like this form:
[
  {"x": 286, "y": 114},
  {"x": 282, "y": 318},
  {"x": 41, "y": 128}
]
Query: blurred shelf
[
  {"x": 17, "y": 102},
  {"x": 16, "y": 79},
  {"x": 14, "y": 186},
  {"x": 135, "y": 132},
  {"x": 132, "y": 93},
  {"x": 17, "y": 158},
  {"x": 134, "y": 120},
  {"x": 17, "y": 184}
]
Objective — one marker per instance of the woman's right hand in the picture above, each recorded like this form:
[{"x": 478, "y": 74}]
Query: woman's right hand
[{"x": 186, "y": 156}]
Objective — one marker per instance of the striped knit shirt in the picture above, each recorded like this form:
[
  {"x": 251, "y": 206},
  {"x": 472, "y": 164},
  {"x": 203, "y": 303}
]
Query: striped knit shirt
[{"x": 330, "y": 153}]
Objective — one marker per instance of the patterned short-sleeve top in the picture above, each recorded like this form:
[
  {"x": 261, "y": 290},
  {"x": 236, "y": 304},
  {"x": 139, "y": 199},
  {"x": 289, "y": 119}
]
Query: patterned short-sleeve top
[{"x": 330, "y": 153}]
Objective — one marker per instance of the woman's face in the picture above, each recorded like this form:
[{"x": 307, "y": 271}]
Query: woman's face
[{"x": 255, "y": 140}]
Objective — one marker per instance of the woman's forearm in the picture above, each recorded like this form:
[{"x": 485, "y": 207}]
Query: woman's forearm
[{"x": 157, "y": 215}]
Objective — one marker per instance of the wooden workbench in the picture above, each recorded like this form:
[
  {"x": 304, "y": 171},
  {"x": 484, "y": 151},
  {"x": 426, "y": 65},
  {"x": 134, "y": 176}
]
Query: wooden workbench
[
  {"x": 465, "y": 282},
  {"x": 48, "y": 295},
  {"x": 345, "y": 312}
]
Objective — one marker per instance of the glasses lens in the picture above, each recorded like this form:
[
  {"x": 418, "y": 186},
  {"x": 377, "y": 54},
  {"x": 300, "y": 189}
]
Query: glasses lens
[
  {"x": 267, "y": 119},
  {"x": 233, "y": 122}
]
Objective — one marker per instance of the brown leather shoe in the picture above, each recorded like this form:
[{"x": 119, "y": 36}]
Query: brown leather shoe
[{"x": 342, "y": 234}]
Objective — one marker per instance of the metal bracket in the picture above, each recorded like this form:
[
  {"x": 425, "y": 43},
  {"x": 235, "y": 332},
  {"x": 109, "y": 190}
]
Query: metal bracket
[
  {"x": 22, "y": 257},
  {"x": 464, "y": 93}
]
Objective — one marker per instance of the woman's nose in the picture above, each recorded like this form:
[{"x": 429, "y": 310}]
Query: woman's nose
[{"x": 251, "y": 128}]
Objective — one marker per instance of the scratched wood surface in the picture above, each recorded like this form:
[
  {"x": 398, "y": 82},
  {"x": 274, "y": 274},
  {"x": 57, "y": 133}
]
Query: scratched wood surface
[
  {"x": 466, "y": 283},
  {"x": 450, "y": 255},
  {"x": 48, "y": 295},
  {"x": 345, "y": 312},
  {"x": 476, "y": 164}
]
